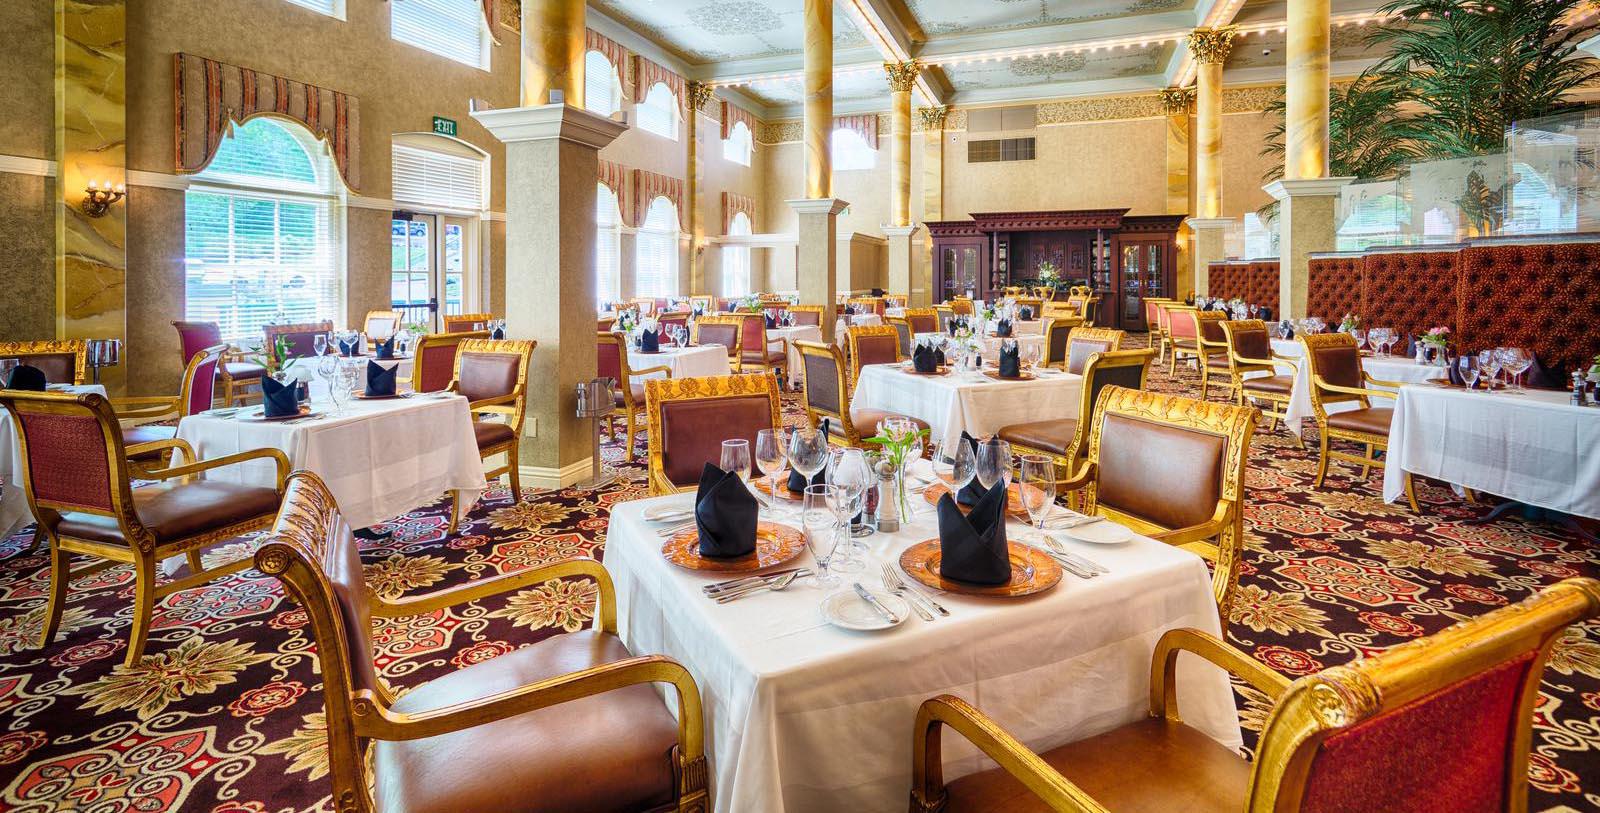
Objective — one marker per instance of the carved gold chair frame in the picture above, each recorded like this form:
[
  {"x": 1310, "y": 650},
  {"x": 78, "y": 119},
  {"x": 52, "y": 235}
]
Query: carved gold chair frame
[
  {"x": 79, "y": 348},
  {"x": 705, "y": 388},
  {"x": 853, "y": 337},
  {"x": 513, "y": 405},
  {"x": 1324, "y": 393}
]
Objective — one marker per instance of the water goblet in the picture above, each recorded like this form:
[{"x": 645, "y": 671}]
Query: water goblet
[
  {"x": 808, "y": 451},
  {"x": 770, "y": 458},
  {"x": 736, "y": 457},
  {"x": 819, "y": 521},
  {"x": 319, "y": 344},
  {"x": 994, "y": 462},
  {"x": 955, "y": 464},
  {"x": 1516, "y": 361},
  {"x": 1038, "y": 487},
  {"x": 1467, "y": 367},
  {"x": 1489, "y": 368},
  {"x": 853, "y": 476}
]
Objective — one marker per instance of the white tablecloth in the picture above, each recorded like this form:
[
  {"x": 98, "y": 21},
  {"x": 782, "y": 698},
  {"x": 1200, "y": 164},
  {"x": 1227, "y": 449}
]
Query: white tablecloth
[
  {"x": 1384, "y": 368},
  {"x": 1534, "y": 447},
  {"x": 380, "y": 459},
  {"x": 14, "y": 511},
  {"x": 802, "y": 716},
  {"x": 859, "y": 320},
  {"x": 804, "y": 333},
  {"x": 307, "y": 370},
  {"x": 969, "y": 402},
  {"x": 990, "y": 348},
  {"x": 686, "y": 362}
]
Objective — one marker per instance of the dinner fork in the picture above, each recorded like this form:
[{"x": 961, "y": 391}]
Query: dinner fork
[
  {"x": 734, "y": 584},
  {"x": 1094, "y": 568},
  {"x": 894, "y": 584},
  {"x": 776, "y": 585}
]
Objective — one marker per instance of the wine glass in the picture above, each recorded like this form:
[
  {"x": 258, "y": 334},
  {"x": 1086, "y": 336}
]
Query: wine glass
[
  {"x": 770, "y": 457},
  {"x": 1467, "y": 366},
  {"x": 1516, "y": 360},
  {"x": 736, "y": 457},
  {"x": 852, "y": 476},
  {"x": 1489, "y": 368},
  {"x": 994, "y": 462},
  {"x": 808, "y": 451},
  {"x": 1038, "y": 487},
  {"x": 1360, "y": 336},
  {"x": 343, "y": 385},
  {"x": 955, "y": 463},
  {"x": 819, "y": 521},
  {"x": 319, "y": 344}
]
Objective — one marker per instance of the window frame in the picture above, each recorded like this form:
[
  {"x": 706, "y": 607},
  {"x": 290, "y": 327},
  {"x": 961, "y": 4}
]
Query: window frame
[
  {"x": 671, "y": 111},
  {"x": 327, "y": 8},
  {"x": 747, "y": 144},
  {"x": 591, "y": 60},
  {"x": 611, "y": 234},
  {"x": 484, "y": 38},
  {"x": 742, "y": 252},
  {"x": 646, "y": 234}
]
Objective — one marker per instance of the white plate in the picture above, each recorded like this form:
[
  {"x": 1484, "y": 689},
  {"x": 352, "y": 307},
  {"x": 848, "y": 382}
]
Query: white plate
[
  {"x": 1104, "y": 532},
  {"x": 850, "y": 611},
  {"x": 668, "y": 512}
]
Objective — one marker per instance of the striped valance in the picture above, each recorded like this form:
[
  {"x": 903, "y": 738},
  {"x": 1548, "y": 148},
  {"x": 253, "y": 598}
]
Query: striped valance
[
  {"x": 491, "y": 18},
  {"x": 647, "y": 186},
  {"x": 211, "y": 96},
  {"x": 732, "y": 114},
  {"x": 613, "y": 52},
  {"x": 647, "y": 74},
  {"x": 734, "y": 203},
  {"x": 865, "y": 125},
  {"x": 619, "y": 179}
]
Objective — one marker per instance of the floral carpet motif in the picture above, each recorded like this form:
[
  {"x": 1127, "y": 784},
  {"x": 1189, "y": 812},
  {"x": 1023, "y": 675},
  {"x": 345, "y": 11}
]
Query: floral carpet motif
[{"x": 224, "y": 714}]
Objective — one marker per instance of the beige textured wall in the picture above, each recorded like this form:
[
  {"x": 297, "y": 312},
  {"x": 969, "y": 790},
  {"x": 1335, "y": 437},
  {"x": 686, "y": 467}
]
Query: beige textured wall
[{"x": 27, "y": 214}]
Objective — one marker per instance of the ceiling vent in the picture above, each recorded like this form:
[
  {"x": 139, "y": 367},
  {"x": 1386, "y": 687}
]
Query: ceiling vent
[{"x": 1000, "y": 149}]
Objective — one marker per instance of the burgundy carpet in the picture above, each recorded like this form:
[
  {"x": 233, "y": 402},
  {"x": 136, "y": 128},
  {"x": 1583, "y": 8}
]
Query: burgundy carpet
[{"x": 225, "y": 712}]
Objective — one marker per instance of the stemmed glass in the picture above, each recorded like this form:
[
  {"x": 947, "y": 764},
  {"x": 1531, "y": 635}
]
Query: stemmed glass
[
  {"x": 319, "y": 343},
  {"x": 1038, "y": 488},
  {"x": 1467, "y": 366},
  {"x": 1489, "y": 367},
  {"x": 1360, "y": 336},
  {"x": 808, "y": 451},
  {"x": 955, "y": 464},
  {"x": 1516, "y": 361},
  {"x": 770, "y": 457},
  {"x": 994, "y": 463},
  {"x": 343, "y": 385},
  {"x": 819, "y": 520},
  {"x": 736, "y": 457},
  {"x": 852, "y": 476}
]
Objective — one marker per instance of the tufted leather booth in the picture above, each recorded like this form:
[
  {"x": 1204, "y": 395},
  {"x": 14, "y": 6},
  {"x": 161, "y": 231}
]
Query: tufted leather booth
[
  {"x": 1261, "y": 284},
  {"x": 1225, "y": 280},
  {"x": 1333, "y": 288},
  {"x": 1410, "y": 291},
  {"x": 1545, "y": 297}
]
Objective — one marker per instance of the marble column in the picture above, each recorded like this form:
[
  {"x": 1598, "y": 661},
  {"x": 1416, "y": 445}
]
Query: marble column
[
  {"x": 903, "y": 257},
  {"x": 552, "y": 51},
  {"x": 818, "y": 211},
  {"x": 1177, "y": 104},
  {"x": 91, "y": 252},
  {"x": 1210, "y": 47},
  {"x": 699, "y": 94},
  {"x": 933, "y": 118}
]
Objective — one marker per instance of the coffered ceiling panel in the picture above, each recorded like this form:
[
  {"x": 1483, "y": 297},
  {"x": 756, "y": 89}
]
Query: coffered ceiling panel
[
  {"x": 853, "y": 86},
  {"x": 946, "y": 17},
  {"x": 1056, "y": 68},
  {"x": 704, "y": 31}
]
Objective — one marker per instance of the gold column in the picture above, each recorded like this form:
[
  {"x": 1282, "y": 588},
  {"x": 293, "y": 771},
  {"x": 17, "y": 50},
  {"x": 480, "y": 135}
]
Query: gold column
[
  {"x": 699, "y": 93},
  {"x": 818, "y": 22},
  {"x": 1210, "y": 48},
  {"x": 933, "y": 119},
  {"x": 1306, "y": 91},
  {"x": 91, "y": 145},
  {"x": 902, "y": 78},
  {"x": 552, "y": 51},
  {"x": 1177, "y": 104}
]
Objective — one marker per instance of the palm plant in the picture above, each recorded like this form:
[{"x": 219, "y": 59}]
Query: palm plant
[{"x": 1368, "y": 137}]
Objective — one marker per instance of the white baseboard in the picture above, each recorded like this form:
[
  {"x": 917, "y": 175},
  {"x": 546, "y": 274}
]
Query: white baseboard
[{"x": 549, "y": 477}]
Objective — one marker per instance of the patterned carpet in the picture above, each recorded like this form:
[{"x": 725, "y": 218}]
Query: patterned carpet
[{"x": 224, "y": 715}]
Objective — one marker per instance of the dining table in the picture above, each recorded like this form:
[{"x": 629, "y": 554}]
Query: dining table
[
  {"x": 803, "y": 715},
  {"x": 1397, "y": 369},
  {"x": 381, "y": 458},
  {"x": 989, "y": 344},
  {"x": 965, "y": 400},
  {"x": 791, "y": 334},
  {"x": 849, "y": 320},
  {"x": 14, "y": 511},
  {"x": 691, "y": 361},
  {"x": 1532, "y": 446}
]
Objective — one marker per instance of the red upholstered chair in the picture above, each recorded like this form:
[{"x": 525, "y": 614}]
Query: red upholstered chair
[
  {"x": 724, "y": 329},
  {"x": 679, "y": 318},
  {"x": 1185, "y": 331},
  {"x": 236, "y": 374},
  {"x": 79, "y": 487},
  {"x": 492, "y": 374},
  {"x": 926, "y": 320},
  {"x": 754, "y": 349},
  {"x": 433, "y": 360},
  {"x": 567, "y": 723},
  {"x": 689, "y": 418},
  {"x": 611, "y": 355},
  {"x": 871, "y": 344},
  {"x": 827, "y": 395},
  {"x": 1441, "y": 723},
  {"x": 63, "y": 361},
  {"x": 805, "y": 314},
  {"x": 467, "y": 322},
  {"x": 194, "y": 396}
]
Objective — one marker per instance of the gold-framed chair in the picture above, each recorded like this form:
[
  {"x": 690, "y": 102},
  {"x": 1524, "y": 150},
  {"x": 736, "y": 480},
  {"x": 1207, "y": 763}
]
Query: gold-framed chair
[
  {"x": 1066, "y": 440},
  {"x": 195, "y": 395},
  {"x": 492, "y": 374},
  {"x": 1185, "y": 344},
  {"x": 725, "y": 329},
  {"x": 467, "y": 322},
  {"x": 1338, "y": 378},
  {"x": 828, "y": 392},
  {"x": 237, "y": 374},
  {"x": 923, "y": 320},
  {"x": 646, "y": 305},
  {"x": 79, "y": 485},
  {"x": 944, "y": 313},
  {"x": 1152, "y": 321},
  {"x": 806, "y": 315},
  {"x": 960, "y": 306},
  {"x": 583, "y": 690},
  {"x": 299, "y": 337},
  {"x": 754, "y": 348},
  {"x": 896, "y": 300},
  {"x": 867, "y": 304},
  {"x": 705, "y": 303},
  {"x": 433, "y": 359},
  {"x": 1013, "y": 290},
  {"x": 1083, "y": 342},
  {"x": 1250, "y": 352},
  {"x": 1437, "y": 723},
  {"x": 1216, "y": 363},
  {"x": 871, "y": 344},
  {"x": 902, "y": 333},
  {"x": 378, "y": 326},
  {"x": 1056, "y": 332},
  {"x": 1033, "y": 303},
  {"x": 688, "y": 418},
  {"x": 611, "y": 352},
  {"x": 63, "y": 361},
  {"x": 1164, "y": 310},
  {"x": 1171, "y": 468}
]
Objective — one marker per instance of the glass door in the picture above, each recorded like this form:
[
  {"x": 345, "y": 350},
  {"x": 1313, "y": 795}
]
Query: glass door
[
  {"x": 1142, "y": 275},
  {"x": 413, "y": 258},
  {"x": 455, "y": 257},
  {"x": 960, "y": 271}
]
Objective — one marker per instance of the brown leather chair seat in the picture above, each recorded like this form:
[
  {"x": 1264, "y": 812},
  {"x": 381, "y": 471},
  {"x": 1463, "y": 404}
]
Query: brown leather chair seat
[
  {"x": 1217, "y": 362},
  {"x": 244, "y": 370},
  {"x": 173, "y": 511},
  {"x": 772, "y": 356},
  {"x": 1049, "y": 436},
  {"x": 1373, "y": 420},
  {"x": 606, "y": 752},
  {"x": 491, "y": 433},
  {"x": 866, "y": 421},
  {"x": 146, "y": 433},
  {"x": 1279, "y": 384},
  {"x": 1179, "y": 769},
  {"x": 635, "y": 384}
]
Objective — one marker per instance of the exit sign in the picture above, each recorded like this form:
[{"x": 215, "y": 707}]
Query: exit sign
[{"x": 444, "y": 126}]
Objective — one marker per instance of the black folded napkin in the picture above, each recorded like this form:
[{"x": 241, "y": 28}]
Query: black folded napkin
[
  {"x": 1010, "y": 363},
  {"x": 380, "y": 379},
  {"x": 972, "y": 548},
  {"x": 649, "y": 341},
  {"x": 385, "y": 349},
  {"x": 938, "y": 356},
  {"x": 27, "y": 377},
  {"x": 1547, "y": 377},
  {"x": 1411, "y": 345},
  {"x": 772, "y": 321},
  {"x": 925, "y": 359},
  {"x": 797, "y": 481},
  {"x": 724, "y": 514},
  {"x": 850, "y": 310},
  {"x": 1264, "y": 314},
  {"x": 279, "y": 400},
  {"x": 956, "y": 323},
  {"x": 498, "y": 333},
  {"x": 1025, "y": 313},
  {"x": 973, "y": 490},
  {"x": 1002, "y": 328},
  {"x": 351, "y": 347},
  {"x": 1287, "y": 328},
  {"x": 1453, "y": 371}
]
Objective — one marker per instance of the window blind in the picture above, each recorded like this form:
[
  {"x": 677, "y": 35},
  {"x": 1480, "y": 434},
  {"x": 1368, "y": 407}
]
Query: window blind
[
  {"x": 454, "y": 29},
  {"x": 431, "y": 178},
  {"x": 737, "y": 146},
  {"x": 658, "y": 113},
  {"x": 328, "y": 7},
  {"x": 850, "y": 151},
  {"x": 608, "y": 246},
  {"x": 736, "y": 260},
  {"x": 657, "y": 250},
  {"x": 602, "y": 92}
]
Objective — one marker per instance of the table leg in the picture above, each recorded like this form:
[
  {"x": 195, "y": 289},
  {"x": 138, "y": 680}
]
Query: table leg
[{"x": 1532, "y": 512}]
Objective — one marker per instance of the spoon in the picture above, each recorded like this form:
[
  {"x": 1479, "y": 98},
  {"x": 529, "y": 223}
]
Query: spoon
[{"x": 778, "y": 584}]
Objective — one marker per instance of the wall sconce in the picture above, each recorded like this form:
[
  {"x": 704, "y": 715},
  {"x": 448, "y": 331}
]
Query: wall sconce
[{"x": 98, "y": 197}]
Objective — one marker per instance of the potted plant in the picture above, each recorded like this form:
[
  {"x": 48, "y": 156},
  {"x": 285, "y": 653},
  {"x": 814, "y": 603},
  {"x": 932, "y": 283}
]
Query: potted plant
[{"x": 1436, "y": 345}]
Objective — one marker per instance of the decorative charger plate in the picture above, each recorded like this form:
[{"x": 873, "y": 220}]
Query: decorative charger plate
[
  {"x": 775, "y": 545},
  {"x": 365, "y": 397},
  {"x": 943, "y": 369},
  {"x": 1032, "y": 571},
  {"x": 1014, "y": 506},
  {"x": 305, "y": 411},
  {"x": 761, "y": 484},
  {"x": 995, "y": 374}
]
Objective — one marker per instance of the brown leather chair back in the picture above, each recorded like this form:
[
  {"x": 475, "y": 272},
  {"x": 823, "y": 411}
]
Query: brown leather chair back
[
  {"x": 301, "y": 337},
  {"x": 805, "y": 315},
  {"x": 485, "y": 375},
  {"x": 902, "y": 333},
  {"x": 1211, "y": 326},
  {"x": 689, "y": 418},
  {"x": 923, "y": 320},
  {"x": 1248, "y": 338},
  {"x": 63, "y": 361},
  {"x": 826, "y": 386},
  {"x": 718, "y": 330},
  {"x": 433, "y": 364},
  {"x": 753, "y": 333},
  {"x": 1136, "y": 455},
  {"x": 1335, "y": 358},
  {"x": 1114, "y": 368},
  {"x": 874, "y": 344},
  {"x": 1084, "y": 342},
  {"x": 961, "y": 306},
  {"x": 467, "y": 322}
]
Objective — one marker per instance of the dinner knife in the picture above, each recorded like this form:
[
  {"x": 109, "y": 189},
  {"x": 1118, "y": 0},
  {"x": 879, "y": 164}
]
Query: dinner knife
[{"x": 869, "y": 598}]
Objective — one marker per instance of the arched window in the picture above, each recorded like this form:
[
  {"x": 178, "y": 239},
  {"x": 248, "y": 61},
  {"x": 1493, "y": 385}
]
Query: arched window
[
  {"x": 736, "y": 259},
  {"x": 263, "y": 233},
  {"x": 602, "y": 91},
  {"x": 657, "y": 250},
  {"x": 736, "y": 147},
  {"x": 850, "y": 151},
  {"x": 608, "y": 246},
  {"x": 658, "y": 113}
]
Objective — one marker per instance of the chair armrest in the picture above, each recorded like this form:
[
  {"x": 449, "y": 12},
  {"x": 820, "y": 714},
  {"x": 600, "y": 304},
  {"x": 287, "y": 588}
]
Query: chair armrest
[
  {"x": 1322, "y": 383},
  {"x": 660, "y": 368},
  {"x": 1393, "y": 385},
  {"x": 1164, "y": 666},
  {"x": 1205, "y": 530},
  {"x": 493, "y": 409},
  {"x": 1078, "y": 481},
  {"x": 927, "y": 768},
  {"x": 226, "y": 460},
  {"x": 508, "y": 398},
  {"x": 605, "y": 615},
  {"x": 176, "y": 444}
]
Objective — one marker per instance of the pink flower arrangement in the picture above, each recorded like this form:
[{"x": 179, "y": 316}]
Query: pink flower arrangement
[{"x": 1438, "y": 337}]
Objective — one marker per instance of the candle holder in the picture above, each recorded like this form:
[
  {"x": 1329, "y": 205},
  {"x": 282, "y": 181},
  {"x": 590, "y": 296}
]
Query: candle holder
[{"x": 98, "y": 197}]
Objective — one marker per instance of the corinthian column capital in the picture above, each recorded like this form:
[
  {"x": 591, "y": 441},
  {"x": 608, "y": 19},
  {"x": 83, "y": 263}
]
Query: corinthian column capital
[
  {"x": 1177, "y": 101},
  {"x": 933, "y": 117},
  {"x": 902, "y": 75},
  {"x": 1210, "y": 46},
  {"x": 699, "y": 93}
]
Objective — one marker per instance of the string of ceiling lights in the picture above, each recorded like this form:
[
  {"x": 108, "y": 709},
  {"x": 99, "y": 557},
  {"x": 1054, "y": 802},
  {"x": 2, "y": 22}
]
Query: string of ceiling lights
[{"x": 1109, "y": 45}]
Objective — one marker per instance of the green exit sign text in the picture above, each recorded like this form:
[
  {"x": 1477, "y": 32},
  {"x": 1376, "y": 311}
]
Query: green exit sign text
[{"x": 444, "y": 126}]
